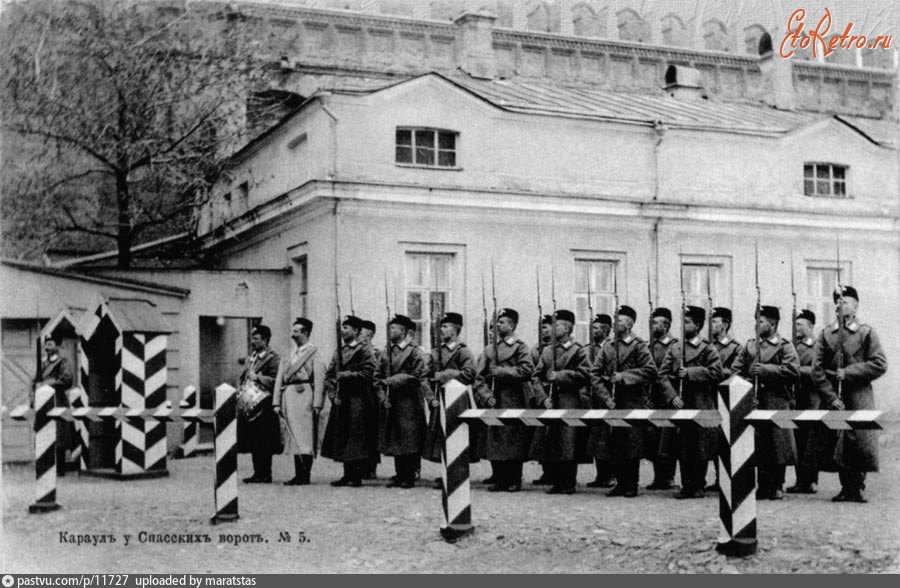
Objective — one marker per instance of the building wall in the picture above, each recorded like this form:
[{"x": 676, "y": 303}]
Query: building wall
[{"x": 27, "y": 295}]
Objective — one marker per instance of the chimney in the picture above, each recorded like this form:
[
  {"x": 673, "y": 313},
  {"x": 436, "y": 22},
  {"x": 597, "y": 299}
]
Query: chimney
[
  {"x": 476, "y": 50},
  {"x": 683, "y": 83},
  {"x": 778, "y": 76}
]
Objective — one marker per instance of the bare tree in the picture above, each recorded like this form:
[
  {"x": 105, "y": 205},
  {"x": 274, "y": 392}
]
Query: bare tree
[{"x": 116, "y": 116}]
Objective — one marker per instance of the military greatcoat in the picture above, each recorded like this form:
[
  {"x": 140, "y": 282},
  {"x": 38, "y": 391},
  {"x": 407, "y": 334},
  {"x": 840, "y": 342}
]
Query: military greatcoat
[
  {"x": 704, "y": 372},
  {"x": 570, "y": 391},
  {"x": 455, "y": 361},
  {"x": 864, "y": 361},
  {"x": 511, "y": 388},
  {"x": 402, "y": 427},
  {"x": 780, "y": 371},
  {"x": 351, "y": 433},
  {"x": 618, "y": 444}
]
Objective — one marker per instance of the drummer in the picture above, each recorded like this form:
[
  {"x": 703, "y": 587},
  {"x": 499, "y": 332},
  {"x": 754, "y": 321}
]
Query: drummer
[{"x": 261, "y": 436}]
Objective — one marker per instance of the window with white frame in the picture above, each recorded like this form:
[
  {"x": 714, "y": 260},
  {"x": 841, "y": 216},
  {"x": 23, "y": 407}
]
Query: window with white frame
[
  {"x": 825, "y": 180},
  {"x": 600, "y": 275},
  {"x": 821, "y": 282},
  {"x": 429, "y": 292},
  {"x": 705, "y": 283},
  {"x": 426, "y": 147}
]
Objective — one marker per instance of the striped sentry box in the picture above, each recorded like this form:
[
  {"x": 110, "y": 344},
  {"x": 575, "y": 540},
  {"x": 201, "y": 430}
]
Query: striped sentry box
[
  {"x": 191, "y": 432},
  {"x": 44, "y": 451},
  {"x": 143, "y": 443},
  {"x": 78, "y": 398},
  {"x": 737, "y": 472},
  {"x": 225, "y": 423},
  {"x": 455, "y": 493}
]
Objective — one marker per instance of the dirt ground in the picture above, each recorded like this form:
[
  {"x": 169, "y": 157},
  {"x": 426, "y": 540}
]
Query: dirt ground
[{"x": 377, "y": 529}]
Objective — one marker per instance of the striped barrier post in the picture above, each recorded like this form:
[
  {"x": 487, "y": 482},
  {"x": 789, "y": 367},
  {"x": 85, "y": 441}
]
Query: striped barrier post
[
  {"x": 737, "y": 470},
  {"x": 225, "y": 423},
  {"x": 79, "y": 399},
  {"x": 44, "y": 451},
  {"x": 455, "y": 491},
  {"x": 190, "y": 433}
]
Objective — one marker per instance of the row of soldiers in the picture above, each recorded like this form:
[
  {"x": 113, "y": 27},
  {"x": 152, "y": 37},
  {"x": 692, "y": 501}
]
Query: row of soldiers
[{"x": 380, "y": 397}]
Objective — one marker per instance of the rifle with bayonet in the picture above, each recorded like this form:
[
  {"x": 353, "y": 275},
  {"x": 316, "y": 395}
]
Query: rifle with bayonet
[
  {"x": 484, "y": 327},
  {"x": 350, "y": 283},
  {"x": 496, "y": 359},
  {"x": 615, "y": 328},
  {"x": 709, "y": 300},
  {"x": 387, "y": 344},
  {"x": 590, "y": 334},
  {"x": 540, "y": 308},
  {"x": 840, "y": 318},
  {"x": 757, "y": 315},
  {"x": 552, "y": 332},
  {"x": 649, "y": 310},
  {"x": 683, "y": 336},
  {"x": 795, "y": 387}
]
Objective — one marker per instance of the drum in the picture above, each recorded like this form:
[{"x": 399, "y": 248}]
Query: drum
[{"x": 251, "y": 401}]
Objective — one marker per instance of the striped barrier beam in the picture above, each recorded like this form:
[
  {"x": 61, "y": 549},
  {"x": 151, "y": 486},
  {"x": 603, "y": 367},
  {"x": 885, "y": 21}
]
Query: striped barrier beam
[
  {"x": 225, "y": 424},
  {"x": 44, "y": 452},
  {"x": 79, "y": 399},
  {"x": 45, "y": 415},
  {"x": 191, "y": 432},
  {"x": 455, "y": 492},
  {"x": 736, "y": 419},
  {"x": 165, "y": 414}
]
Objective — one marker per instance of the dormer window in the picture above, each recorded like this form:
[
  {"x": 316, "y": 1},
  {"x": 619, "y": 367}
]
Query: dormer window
[
  {"x": 825, "y": 180},
  {"x": 426, "y": 147}
]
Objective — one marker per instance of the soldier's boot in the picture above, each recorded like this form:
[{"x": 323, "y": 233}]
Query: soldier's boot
[
  {"x": 307, "y": 463},
  {"x": 298, "y": 472},
  {"x": 663, "y": 474},
  {"x": 852, "y": 485},
  {"x": 605, "y": 477}
]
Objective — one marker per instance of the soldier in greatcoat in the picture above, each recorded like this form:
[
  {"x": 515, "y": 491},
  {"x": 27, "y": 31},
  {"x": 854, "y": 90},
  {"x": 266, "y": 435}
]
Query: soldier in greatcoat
[
  {"x": 843, "y": 375},
  {"x": 538, "y": 447},
  {"x": 664, "y": 451},
  {"x": 402, "y": 372},
  {"x": 805, "y": 398},
  {"x": 696, "y": 379},
  {"x": 298, "y": 398},
  {"x": 350, "y": 436},
  {"x": 56, "y": 372},
  {"x": 503, "y": 380},
  {"x": 453, "y": 361},
  {"x": 774, "y": 368},
  {"x": 562, "y": 381},
  {"x": 261, "y": 437},
  {"x": 601, "y": 325},
  {"x": 366, "y": 334},
  {"x": 727, "y": 348},
  {"x": 619, "y": 379}
]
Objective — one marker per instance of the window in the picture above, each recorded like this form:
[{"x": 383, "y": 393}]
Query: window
[
  {"x": 429, "y": 279},
  {"x": 695, "y": 269},
  {"x": 426, "y": 147},
  {"x": 695, "y": 280},
  {"x": 821, "y": 282},
  {"x": 825, "y": 179},
  {"x": 599, "y": 274},
  {"x": 302, "y": 285}
]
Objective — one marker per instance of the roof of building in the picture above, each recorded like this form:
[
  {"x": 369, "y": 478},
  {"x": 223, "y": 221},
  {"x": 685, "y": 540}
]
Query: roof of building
[
  {"x": 126, "y": 283},
  {"x": 141, "y": 316},
  {"x": 586, "y": 102}
]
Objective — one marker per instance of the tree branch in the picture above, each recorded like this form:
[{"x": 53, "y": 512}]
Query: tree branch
[{"x": 75, "y": 226}]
